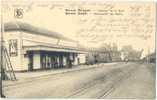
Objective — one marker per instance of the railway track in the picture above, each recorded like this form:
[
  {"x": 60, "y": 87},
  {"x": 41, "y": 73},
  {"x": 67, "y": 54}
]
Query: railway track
[{"x": 103, "y": 86}]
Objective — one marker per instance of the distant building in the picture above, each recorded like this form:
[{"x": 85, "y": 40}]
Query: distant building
[
  {"x": 99, "y": 56},
  {"x": 115, "y": 56},
  {"x": 32, "y": 48},
  {"x": 150, "y": 58}
]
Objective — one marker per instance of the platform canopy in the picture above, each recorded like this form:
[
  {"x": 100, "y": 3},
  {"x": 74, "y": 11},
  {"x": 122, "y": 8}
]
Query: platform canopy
[{"x": 53, "y": 49}]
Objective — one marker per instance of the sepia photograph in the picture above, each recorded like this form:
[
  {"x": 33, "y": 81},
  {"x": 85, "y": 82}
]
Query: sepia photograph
[{"x": 78, "y": 49}]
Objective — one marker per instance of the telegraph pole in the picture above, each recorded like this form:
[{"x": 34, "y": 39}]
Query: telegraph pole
[{"x": 1, "y": 58}]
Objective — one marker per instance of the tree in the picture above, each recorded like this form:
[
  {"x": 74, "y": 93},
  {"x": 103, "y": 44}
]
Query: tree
[{"x": 130, "y": 53}]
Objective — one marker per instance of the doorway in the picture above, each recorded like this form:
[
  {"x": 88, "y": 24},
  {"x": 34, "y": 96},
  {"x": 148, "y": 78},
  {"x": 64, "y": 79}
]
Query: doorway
[{"x": 30, "y": 63}]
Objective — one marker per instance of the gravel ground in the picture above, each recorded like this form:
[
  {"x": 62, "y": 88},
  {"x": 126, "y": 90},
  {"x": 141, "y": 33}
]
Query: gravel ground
[
  {"x": 131, "y": 80},
  {"x": 141, "y": 84}
]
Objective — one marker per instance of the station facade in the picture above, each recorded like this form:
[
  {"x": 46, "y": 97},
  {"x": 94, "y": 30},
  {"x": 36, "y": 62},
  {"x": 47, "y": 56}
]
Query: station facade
[{"x": 31, "y": 48}]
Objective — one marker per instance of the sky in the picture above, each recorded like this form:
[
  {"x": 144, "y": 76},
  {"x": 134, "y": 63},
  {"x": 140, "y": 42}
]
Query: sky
[{"x": 133, "y": 25}]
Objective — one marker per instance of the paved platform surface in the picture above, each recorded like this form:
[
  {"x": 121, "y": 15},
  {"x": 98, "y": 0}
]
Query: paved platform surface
[{"x": 24, "y": 76}]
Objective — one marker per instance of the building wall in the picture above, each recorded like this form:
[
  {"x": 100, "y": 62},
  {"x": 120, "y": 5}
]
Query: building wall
[
  {"x": 16, "y": 61},
  {"x": 82, "y": 58},
  {"x": 25, "y": 63},
  {"x": 34, "y": 39}
]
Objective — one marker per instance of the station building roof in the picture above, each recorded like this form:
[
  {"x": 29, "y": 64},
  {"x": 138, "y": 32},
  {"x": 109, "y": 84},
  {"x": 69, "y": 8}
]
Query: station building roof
[{"x": 21, "y": 26}]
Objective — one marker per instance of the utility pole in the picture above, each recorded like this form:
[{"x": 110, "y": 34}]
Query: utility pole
[{"x": 1, "y": 58}]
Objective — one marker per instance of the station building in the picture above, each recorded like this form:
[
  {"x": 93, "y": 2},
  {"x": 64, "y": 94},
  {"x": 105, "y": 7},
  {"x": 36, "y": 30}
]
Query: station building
[{"x": 31, "y": 48}]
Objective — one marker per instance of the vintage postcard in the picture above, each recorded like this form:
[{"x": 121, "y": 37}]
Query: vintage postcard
[{"x": 78, "y": 49}]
